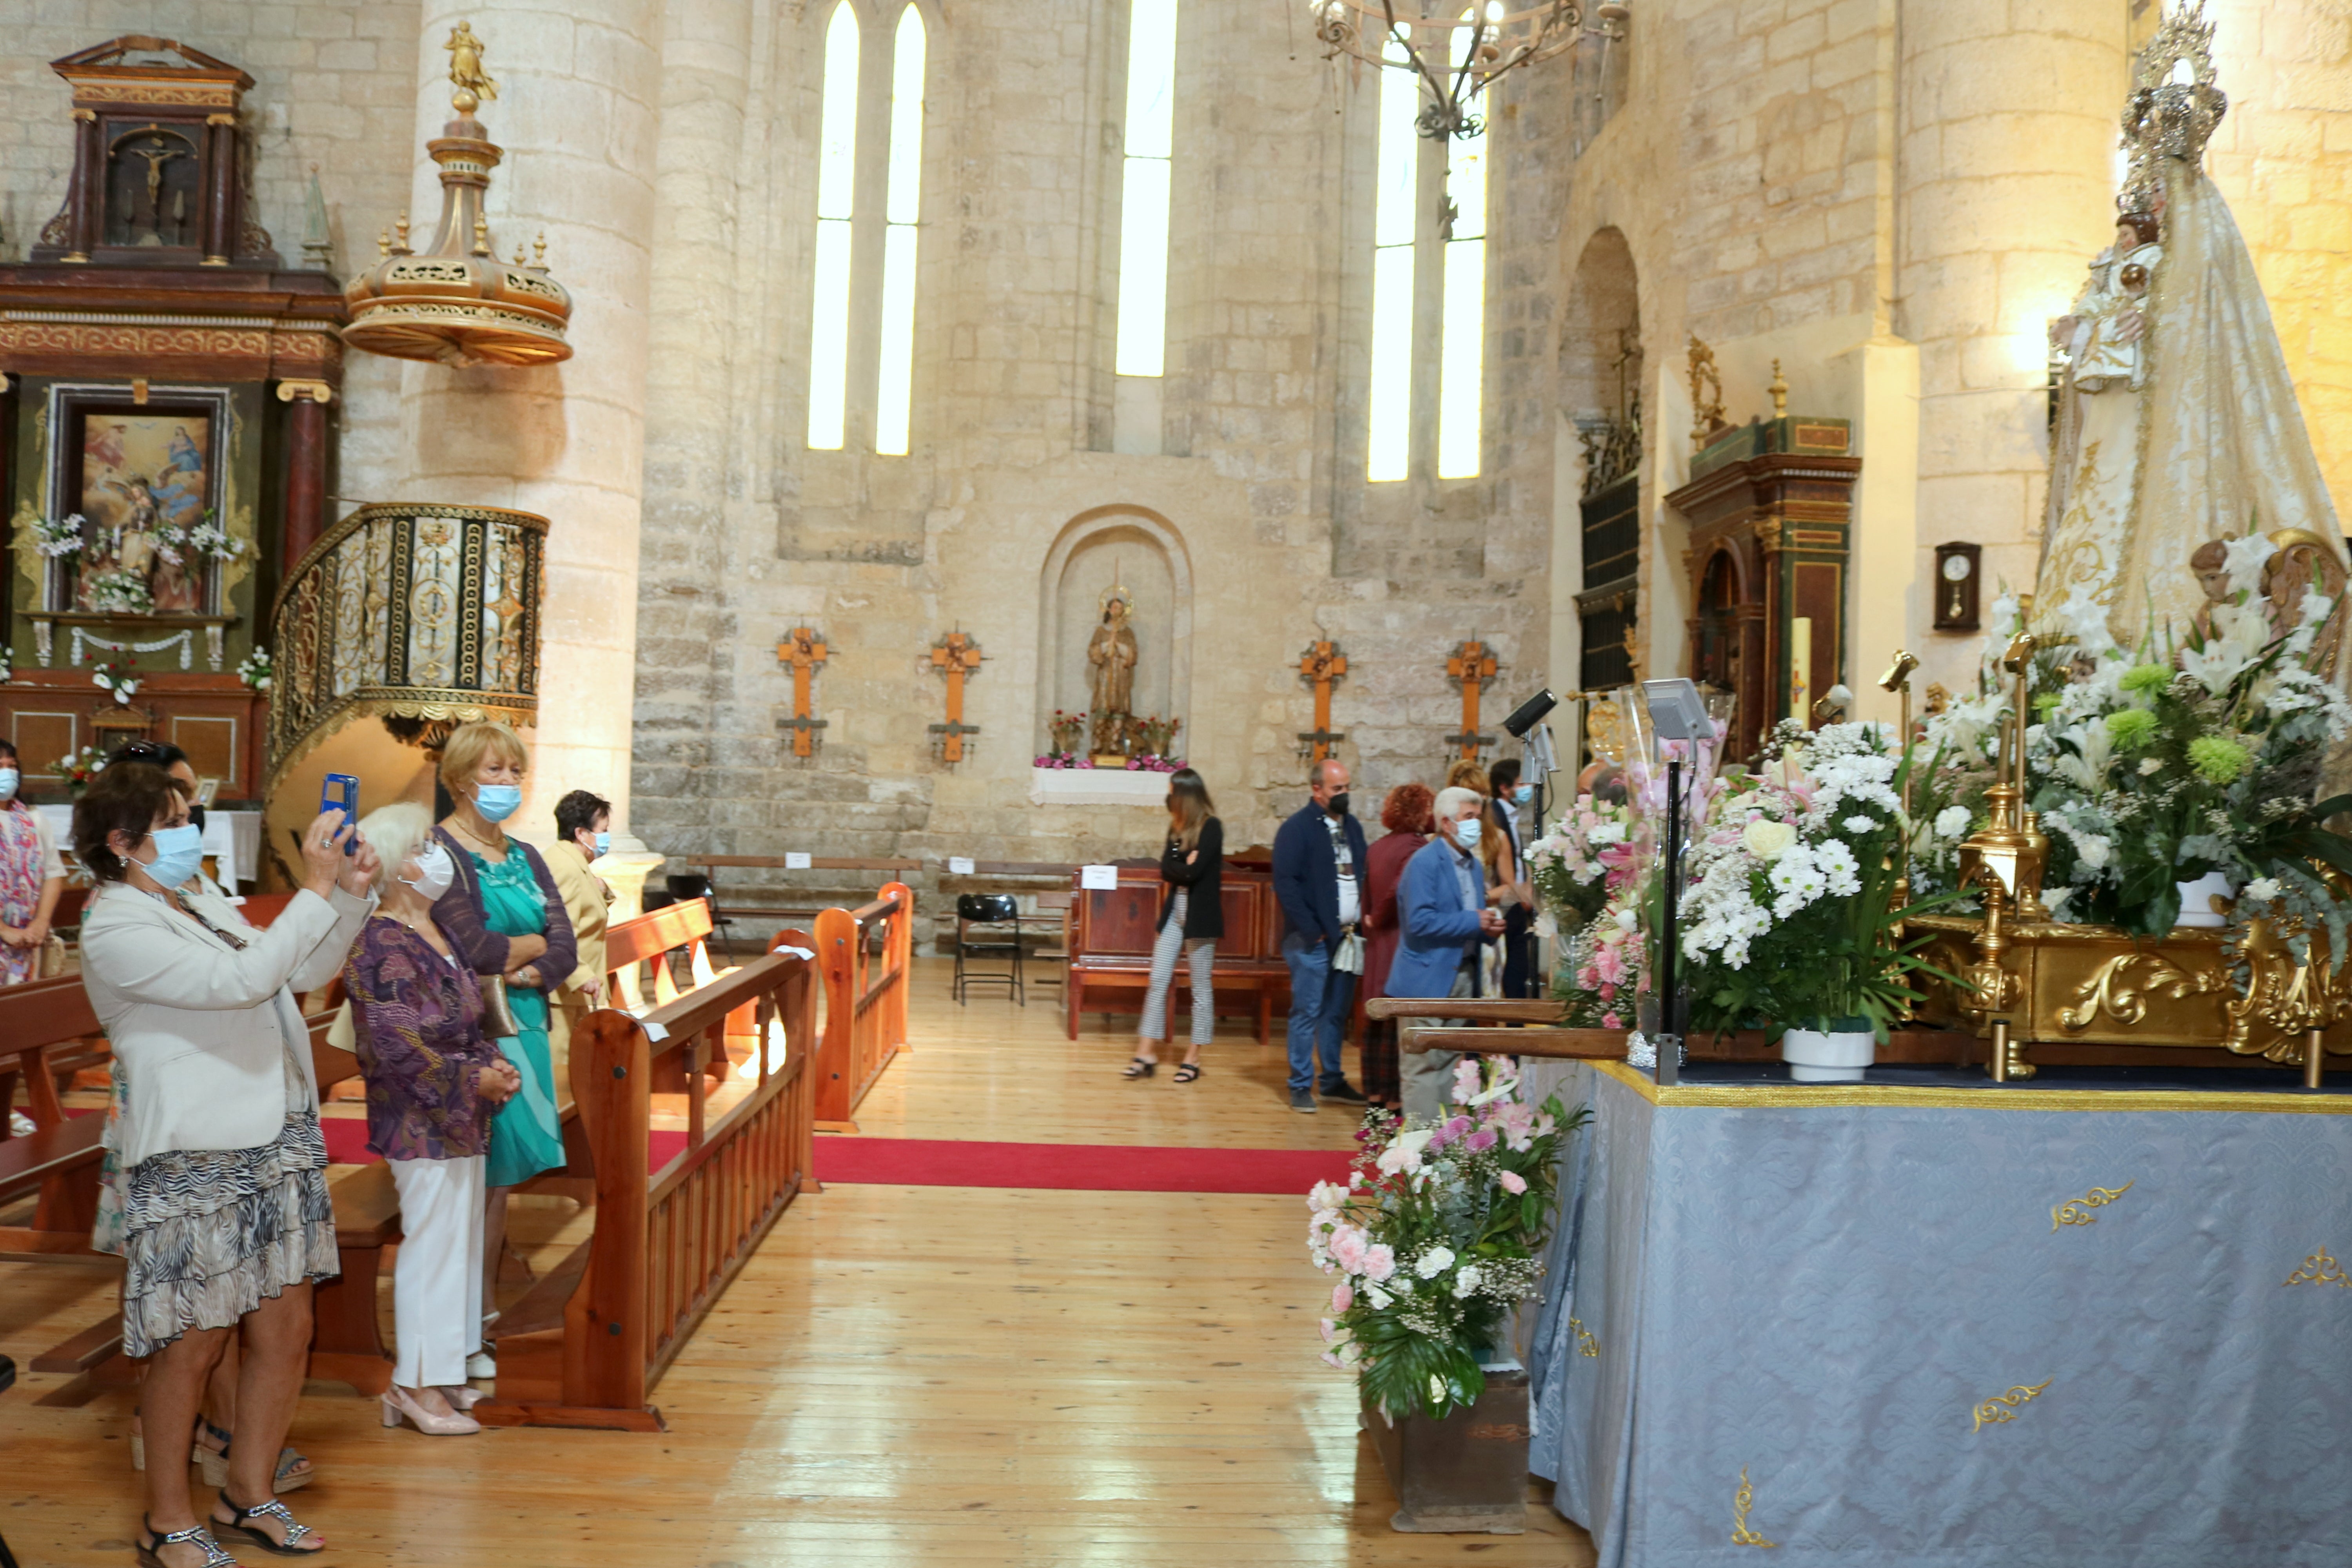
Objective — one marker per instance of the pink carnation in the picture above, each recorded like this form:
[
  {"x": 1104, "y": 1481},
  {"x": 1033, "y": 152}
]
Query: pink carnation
[
  {"x": 1343, "y": 1295},
  {"x": 1348, "y": 1248},
  {"x": 1380, "y": 1261},
  {"x": 1513, "y": 1183},
  {"x": 1482, "y": 1138}
]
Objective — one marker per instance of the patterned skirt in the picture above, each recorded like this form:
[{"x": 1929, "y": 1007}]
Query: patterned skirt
[{"x": 209, "y": 1233}]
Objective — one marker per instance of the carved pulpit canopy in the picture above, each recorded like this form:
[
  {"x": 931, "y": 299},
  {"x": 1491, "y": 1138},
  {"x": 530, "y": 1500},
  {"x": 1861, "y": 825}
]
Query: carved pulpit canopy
[{"x": 160, "y": 176}]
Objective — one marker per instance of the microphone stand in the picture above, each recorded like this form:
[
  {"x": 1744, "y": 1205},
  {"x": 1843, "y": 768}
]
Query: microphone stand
[{"x": 1669, "y": 1041}]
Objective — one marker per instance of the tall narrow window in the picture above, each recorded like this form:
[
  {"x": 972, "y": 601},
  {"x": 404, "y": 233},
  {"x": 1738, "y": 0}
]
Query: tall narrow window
[
  {"x": 895, "y": 384},
  {"x": 836, "y": 184},
  {"x": 1143, "y": 204},
  {"x": 1389, "y": 392},
  {"x": 1461, "y": 356}
]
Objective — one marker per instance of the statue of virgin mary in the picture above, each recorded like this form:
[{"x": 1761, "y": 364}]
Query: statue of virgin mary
[{"x": 2178, "y": 424}]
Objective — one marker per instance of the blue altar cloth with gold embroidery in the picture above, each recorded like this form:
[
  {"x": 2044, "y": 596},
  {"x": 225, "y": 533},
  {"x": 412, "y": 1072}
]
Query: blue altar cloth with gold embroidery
[{"x": 1875, "y": 1303}]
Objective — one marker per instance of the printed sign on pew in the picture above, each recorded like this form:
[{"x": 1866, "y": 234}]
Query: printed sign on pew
[
  {"x": 795, "y": 860},
  {"x": 1103, "y": 877}
]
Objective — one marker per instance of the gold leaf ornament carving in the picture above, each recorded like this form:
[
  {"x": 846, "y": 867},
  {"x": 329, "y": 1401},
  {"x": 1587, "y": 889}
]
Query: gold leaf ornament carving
[
  {"x": 2319, "y": 1269},
  {"x": 1740, "y": 1502},
  {"x": 2004, "y": 1407},
  {"x": 1585, "y": 1343},
  {"x": 2111, "y": 990},
  {"x": 2077, "y": 1211}
]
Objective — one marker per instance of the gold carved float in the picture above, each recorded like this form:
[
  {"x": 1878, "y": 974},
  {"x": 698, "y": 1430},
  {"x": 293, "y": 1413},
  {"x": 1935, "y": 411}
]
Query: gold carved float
[{"x": 2032, "y": 980}]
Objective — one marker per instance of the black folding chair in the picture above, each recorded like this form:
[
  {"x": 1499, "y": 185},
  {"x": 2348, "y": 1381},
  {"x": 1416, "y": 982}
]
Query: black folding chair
[
  {"x": 690, "y": 885},
  {"x": 992, "y": 912}
]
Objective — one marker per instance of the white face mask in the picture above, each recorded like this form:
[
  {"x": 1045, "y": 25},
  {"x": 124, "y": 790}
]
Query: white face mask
[
  {"x": 434, "y": 872},
  {"x": 9, "y": 779}
]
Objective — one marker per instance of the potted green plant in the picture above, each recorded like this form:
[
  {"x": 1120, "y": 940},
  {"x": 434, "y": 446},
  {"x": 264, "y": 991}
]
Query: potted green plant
[{"x": 1437, "y": 1237}]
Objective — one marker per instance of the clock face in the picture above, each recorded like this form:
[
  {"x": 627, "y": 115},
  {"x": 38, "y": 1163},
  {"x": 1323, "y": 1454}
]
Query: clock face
[{"x": 1957, "y": 568}]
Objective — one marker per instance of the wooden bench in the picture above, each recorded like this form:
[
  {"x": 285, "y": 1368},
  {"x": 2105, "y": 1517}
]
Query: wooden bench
[
  {"x": 728, "y": 909},
  {"x": 1114, "y": 929},
  {"x": 62, "y": 1159},
  {"x": 864, "y": 1004},
  {"x": 585, "y": 1345}
]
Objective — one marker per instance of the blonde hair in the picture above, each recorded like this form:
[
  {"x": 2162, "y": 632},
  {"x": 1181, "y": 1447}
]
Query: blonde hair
[
  {"x": 396, "y": 832},
  {"x": 1466, "y": 773},
  {"x": 464, "y": 752}
]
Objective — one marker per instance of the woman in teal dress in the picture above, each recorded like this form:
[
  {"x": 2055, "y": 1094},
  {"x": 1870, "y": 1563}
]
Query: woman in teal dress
[{"x": 503, "y": 916}]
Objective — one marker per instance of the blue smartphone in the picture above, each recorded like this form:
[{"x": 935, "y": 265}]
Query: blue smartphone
[{"x": 342, "y": 794}]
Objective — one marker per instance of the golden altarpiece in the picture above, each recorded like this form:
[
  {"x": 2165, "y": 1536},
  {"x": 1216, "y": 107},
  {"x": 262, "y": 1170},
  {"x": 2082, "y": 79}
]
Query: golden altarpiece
[{"x": 164, "y": 428}]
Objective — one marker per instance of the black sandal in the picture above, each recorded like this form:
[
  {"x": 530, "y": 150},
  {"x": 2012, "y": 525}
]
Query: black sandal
[
  {"x": 1138, "y": 1068},
  {"x": 273, "y": 1509},
  {"x": 1188, "y": 1072},
  {"x": 152, "y": 1542}
]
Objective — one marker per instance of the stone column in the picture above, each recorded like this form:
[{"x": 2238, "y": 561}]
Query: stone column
[
  {"x": 577, "y": 113},
  {"x": 693, "y": 403},
  {"x": 2007, "y": 188}
]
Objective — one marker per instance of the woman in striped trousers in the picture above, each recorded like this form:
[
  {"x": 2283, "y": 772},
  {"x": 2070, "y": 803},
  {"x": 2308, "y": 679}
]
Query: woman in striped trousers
[{"x": 1191, "y": 921}]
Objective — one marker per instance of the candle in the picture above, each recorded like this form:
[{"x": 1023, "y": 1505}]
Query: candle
[{"x": 1801, "y": 670}]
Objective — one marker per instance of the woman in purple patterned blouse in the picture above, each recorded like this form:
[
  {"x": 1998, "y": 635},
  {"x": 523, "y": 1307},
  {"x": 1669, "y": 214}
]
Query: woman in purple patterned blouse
[{"x": 433, "y": 1081}]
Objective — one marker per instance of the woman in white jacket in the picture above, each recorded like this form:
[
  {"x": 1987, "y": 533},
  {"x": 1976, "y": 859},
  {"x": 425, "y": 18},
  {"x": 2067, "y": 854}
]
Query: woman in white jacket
[{"x": 225, "y": 1217}]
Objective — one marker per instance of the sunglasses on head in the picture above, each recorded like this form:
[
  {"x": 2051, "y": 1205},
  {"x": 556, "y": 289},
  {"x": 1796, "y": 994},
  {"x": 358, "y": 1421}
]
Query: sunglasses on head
[{"x": 140, "y": 751}]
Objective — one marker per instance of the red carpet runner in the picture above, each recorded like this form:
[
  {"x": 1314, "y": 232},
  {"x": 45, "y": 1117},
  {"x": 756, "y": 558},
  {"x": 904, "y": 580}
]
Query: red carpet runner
[{"x": 942, "y": 1163}]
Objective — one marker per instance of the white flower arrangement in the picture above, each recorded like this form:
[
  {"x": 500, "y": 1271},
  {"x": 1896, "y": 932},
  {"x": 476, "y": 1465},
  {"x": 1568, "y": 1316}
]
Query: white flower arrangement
[
  {"x": 120, "y": 593},
  {"x": 2151, "y": 766},
  {"x": 1789, "y": 905},
  {"x": 116, "y": 681},
  {"x": 206, "y": 539},
  {"x": 57, "y": 537},
  {"x": 255, "y": 670}
]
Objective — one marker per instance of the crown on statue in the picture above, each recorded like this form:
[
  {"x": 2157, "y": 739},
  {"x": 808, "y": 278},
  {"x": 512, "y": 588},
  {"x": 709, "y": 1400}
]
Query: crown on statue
[{"x": 2174, "y": 108}]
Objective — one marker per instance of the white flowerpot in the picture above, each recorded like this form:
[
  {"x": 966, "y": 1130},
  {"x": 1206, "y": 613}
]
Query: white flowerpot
[
  {"x": 2195, "y": 907},
  {"x": 1828, "y": 1055}
]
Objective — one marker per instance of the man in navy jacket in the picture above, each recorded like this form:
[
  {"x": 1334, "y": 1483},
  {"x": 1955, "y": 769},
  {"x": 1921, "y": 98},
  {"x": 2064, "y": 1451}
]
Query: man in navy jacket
[
  {"x": 1319, "y": 854},
  {"x": 1441, "y": 908}
]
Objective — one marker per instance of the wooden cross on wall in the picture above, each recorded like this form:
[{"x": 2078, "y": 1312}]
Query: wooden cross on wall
[
  {"x": 956, "y": 656},
  {"x": 1322, "y": 667},
  {"x": 803, "y": 648},
  {"x": 1470, "y": 666}
]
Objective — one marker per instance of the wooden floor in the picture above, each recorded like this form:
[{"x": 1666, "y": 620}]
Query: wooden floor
[{"x": 902, "y": 1375}]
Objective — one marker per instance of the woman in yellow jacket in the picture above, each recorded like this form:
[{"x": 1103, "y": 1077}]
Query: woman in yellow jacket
[{"x": 583, "y": 834}]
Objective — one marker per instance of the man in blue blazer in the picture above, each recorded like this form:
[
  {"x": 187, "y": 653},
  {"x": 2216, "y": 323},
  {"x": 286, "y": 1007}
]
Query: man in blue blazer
[
  {"x": 1444, "y": 920},
  {"x": 1319, "y": 854}
]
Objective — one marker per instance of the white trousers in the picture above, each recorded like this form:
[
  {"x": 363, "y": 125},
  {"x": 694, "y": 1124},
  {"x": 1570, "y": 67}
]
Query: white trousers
[{"x": 436, "y": 1281}]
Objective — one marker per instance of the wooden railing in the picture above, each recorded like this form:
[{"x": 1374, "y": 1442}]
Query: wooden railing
[
  {"x": 864, "y": 1006},
  {"x": 586, "y": 1345}
]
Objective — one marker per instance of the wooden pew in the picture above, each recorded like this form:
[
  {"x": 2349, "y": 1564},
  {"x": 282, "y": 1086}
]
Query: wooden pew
[
  {"x": 62, "y": 1158},
  {"x": 652, "y": 937},
  {"x": 41, "y": 1021},
  {"x": 586, "y": 1345},
  {"x": 1113, "y": 930},
  {"x": 865, "y": 1009},
  {"x": 733, "y": 909}
]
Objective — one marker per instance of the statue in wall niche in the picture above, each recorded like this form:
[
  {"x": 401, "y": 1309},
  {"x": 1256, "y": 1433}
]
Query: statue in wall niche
[
  {"x": 1112, "y": 652},
  {"x": 2176, "y": 421}
]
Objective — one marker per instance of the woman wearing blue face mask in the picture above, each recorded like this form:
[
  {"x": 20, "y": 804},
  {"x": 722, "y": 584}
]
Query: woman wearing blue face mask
[
  {"x": 505, "y": 917},
  {"x": 224, "y": 1221},
  {"x": 583, "y": 833},
  {"x": 31, "y": 877}
]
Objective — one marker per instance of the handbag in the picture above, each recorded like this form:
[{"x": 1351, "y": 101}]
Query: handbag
[{"x": 499, "y": 1021}]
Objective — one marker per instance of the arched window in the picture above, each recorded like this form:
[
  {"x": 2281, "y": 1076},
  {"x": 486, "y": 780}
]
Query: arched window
[
  {"x": 1388, "y": 393},
  {"x": 1461, "y": 356},
  {"x": 902, "y": 213},
  {"x": 1151, "y": 147},
  {"x": 836, "y": 186}
]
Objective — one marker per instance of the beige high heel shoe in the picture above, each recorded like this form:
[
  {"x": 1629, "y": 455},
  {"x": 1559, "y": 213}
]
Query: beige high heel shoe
[{"x": 399, "y": 1402}]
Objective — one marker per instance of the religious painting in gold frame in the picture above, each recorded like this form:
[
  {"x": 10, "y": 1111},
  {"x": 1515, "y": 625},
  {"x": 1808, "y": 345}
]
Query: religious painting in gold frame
[{"x": 143, "y": 476}]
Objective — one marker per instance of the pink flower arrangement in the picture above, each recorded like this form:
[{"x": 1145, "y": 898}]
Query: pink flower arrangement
[{"x": 1061, "y": 759}]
